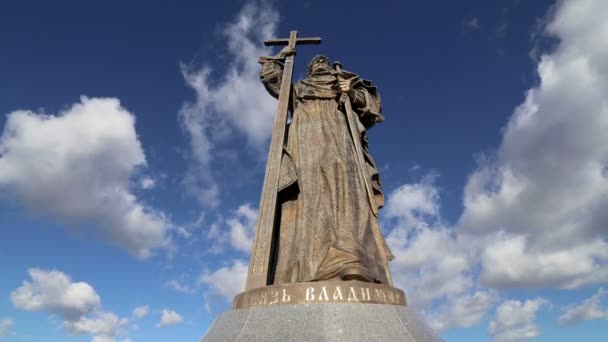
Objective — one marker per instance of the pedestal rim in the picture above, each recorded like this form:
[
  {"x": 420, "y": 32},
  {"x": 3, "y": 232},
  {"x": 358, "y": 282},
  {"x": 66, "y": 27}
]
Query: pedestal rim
[{"x": 320, "y": 292}]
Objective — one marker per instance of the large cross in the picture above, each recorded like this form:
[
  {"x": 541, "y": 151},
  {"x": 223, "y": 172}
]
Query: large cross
[{"x": 260, "y": 265}]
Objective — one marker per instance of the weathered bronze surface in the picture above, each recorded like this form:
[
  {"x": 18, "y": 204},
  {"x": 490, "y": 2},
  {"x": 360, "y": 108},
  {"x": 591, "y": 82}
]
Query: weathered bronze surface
[
  {"x": 259, "y": 267},
  {"x": 318, "y": 212},
  {"x": 320, "y": 292}
]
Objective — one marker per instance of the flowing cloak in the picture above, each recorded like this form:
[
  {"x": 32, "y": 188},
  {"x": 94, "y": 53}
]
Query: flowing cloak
[{"x": 325, "y": 222}]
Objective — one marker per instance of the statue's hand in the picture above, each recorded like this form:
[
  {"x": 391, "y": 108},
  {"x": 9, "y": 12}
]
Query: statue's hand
[
  {"x": 344, "y": 85},
  {"x": 287, "y": 51}
]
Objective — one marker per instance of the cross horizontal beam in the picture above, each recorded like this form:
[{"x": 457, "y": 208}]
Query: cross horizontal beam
[{"x": 285, "y": 41}]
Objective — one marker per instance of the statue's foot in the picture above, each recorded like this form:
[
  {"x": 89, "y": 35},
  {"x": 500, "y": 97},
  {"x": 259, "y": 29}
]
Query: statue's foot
[{"x": 356, "y": 272}]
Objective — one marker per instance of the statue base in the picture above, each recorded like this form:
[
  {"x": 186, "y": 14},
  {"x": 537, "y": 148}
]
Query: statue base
[
  {"x": 321, "y": 311},
  {"x": 321, "y": 322}
]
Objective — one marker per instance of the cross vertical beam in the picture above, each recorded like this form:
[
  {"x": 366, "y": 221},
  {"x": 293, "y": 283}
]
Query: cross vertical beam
[{"x": 260, "y": 263}]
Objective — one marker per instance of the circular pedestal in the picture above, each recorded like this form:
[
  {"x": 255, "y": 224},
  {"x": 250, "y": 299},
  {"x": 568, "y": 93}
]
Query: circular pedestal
[{"x": 321, "y": 322}]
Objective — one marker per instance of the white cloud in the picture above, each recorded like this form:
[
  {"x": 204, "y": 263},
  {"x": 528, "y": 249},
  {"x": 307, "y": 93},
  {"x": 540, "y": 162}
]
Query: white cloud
[
  {"x": 236, "y": 231},
  {"x": 236, "y": 101},
  {"x": 5, "y": 326},
  {"x": 514, "y": 320},
  {"x": 227, "y": 281},
  {"x": 432, "y": 262},
  {"x": 179, "y": 287},
  {"x": 508, "y": 261},
  {"x": 429, "y": 260},
  {"x": 76, "y": 303},
  {"x": 54, "y": 292},
  {"x": 242, "y": 228},
  {"x": 415, "y": 205},
  {"x": 147, "y": 183},
  {"x": 463, "y": 311},
  {"x": 141, "y": 311},
  {"x": 589, "y": 309},
  {"x": 169, "y": 318},
  {"x": 547, "y": 188},
  {"x": 76, "y": 166},
  {"x": 104, "y": 326}
]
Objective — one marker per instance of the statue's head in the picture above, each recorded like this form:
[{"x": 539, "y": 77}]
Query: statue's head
[{"x": 319, "y": 63}]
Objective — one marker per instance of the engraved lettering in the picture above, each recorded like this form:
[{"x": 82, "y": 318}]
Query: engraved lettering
[
  {"x": 380, "y": 295},
  {"x": 286, "y": 297},
  {"x": 274, "y": 294},
  {"x": 391, "y": 297},
  {"x": 262, "y": 298},
  {"x": 338, "y": 294},
  {"x": 365, "y": 294},
  {"x": 323, "y": 294},
  {"x": 310, "y": 293},
  {"x": 352, "y": 296}
]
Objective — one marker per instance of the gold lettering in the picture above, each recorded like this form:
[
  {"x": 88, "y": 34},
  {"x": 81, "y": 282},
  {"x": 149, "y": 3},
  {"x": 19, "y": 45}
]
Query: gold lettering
[
  {"x": 380, "y": 295},
  {"x": 310, "y": 293},
  {"x": 391, "y": 297},
  {"x": 286, "y": 297},
  {"x": 352, "y": 296},
  {"x": 365, "y": 294},
  {"x": 274, "y": 294},
  {"x": 262, "y": 298},
  {"x": 323, "y": 294},
  {"x": 338, "y": 294}
]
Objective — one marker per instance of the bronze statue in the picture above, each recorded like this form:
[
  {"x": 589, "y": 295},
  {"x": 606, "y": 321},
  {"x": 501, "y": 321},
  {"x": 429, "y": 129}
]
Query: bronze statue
[
  {"x": 319, "y": 264},
  {"x": 322, "y": 192}
]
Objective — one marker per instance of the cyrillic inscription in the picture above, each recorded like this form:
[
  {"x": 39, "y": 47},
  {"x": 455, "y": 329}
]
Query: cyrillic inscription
[{"x": 321, "y": 292}]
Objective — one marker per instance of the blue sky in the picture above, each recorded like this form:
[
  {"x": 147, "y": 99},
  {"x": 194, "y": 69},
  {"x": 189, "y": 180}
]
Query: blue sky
[{"x": 133, "y": 140}]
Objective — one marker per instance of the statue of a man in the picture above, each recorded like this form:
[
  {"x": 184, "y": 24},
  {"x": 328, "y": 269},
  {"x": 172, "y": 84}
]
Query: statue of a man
[{"x": 326, "y": 218}]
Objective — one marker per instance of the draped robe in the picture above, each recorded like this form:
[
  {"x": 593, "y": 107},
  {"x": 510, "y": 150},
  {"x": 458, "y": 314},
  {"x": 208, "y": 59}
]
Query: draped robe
[{"x": 325, "y": 221}]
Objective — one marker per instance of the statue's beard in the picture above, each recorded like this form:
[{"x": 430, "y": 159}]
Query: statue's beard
[{"x": 319, "y": 68}]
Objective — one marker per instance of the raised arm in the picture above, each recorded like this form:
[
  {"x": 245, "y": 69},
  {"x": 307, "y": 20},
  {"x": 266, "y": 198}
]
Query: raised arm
[{"x": 272, "y": 70}]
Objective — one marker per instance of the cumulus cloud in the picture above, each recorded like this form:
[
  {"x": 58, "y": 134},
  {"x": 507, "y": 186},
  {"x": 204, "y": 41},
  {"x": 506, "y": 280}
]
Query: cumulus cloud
[
  {"x": 76, "y": 303},
  {"x": 169, "y": 318},
  {"x": 77, "y": 167},
  {"x": 227, "y": 281},
  {"x": 589, "y": 309},
  {"x": 53, "y": 291},
  {"x": 141, "y": 311},
  {"x": 514, "y": 320},
  {"x": 463, "y": 311},
  {"x": 236, "y": 101},
  {"x": 242, "y": 228},
  {"x": 432, "y": 262},
  {"x": 5, "y": 326},
  {"x": 104, "y": 326},
  {"x": 235, "y": 231},
  {"x": 416, "y": 205},
  {"x": 546, "y": 189}
]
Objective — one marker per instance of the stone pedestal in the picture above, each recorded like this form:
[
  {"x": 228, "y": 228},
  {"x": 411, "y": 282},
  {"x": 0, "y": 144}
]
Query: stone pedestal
[{"x": 348, "y": 322}]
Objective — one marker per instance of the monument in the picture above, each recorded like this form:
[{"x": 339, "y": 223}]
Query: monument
[{"x": 319, "y": 268}]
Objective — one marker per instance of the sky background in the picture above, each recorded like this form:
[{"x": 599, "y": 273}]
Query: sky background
[{"x": 134, "y": 134}]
